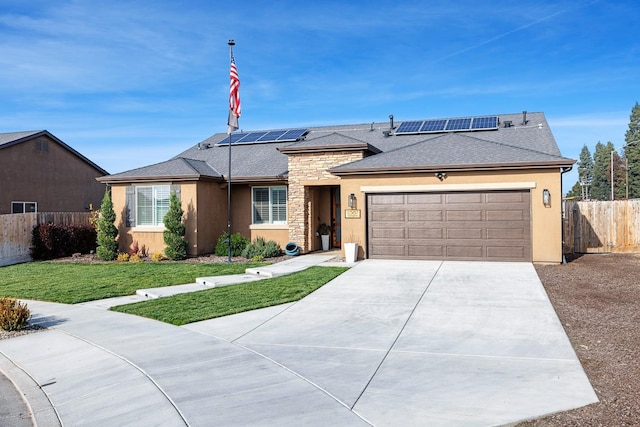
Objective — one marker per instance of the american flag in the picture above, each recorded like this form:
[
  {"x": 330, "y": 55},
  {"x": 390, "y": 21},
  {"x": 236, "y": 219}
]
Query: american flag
[{"x": 234, "y": 97}]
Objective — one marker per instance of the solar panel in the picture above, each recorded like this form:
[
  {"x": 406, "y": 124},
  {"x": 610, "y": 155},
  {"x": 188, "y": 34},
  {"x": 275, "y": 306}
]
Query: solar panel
[
  {"x": 272, "y": 136},
  {"x": 251, "y": 137},
  {"x": 490, "y": 122},
  {"x": 409, "y": 127},
  {"x": 235, "y": 137},
  {"x": 433, "y": 125},
  {"x": 459, "y": 124},
  {"x": 292, "y": 135}
]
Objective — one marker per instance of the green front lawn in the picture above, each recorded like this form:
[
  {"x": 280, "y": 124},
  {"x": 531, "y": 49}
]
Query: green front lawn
[
  {"x": 216, "y": 302},
  {"x": 76, "y": 282}
]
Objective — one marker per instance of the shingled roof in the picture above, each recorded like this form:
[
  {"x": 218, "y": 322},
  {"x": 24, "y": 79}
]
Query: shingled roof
[{"x": 522, "y": 145}]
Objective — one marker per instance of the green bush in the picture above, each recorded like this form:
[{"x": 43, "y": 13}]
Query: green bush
[
  {"x": 107, "y": 249},
  {"x": 238, "y": 243},
  {"x": 13, "y": 314},
  {"x": 260, "y": 247},
  {"x": 176, "y": 248},
  {"x": 50, "y": 241}
]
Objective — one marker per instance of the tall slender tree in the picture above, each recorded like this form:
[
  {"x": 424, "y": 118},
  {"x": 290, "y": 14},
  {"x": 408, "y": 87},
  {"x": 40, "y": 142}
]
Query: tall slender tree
[
  {"x": 632, "y": 151},
  {"x": 601, "y": 182},
  {"x": 107, "y": 248}
]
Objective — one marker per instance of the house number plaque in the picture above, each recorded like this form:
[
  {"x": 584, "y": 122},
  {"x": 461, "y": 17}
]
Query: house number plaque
[{"x": 352, "y": 213}]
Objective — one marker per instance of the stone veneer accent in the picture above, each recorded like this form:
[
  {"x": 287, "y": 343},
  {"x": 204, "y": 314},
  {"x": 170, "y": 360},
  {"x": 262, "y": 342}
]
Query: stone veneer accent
[{"x": 310, "y": 167}]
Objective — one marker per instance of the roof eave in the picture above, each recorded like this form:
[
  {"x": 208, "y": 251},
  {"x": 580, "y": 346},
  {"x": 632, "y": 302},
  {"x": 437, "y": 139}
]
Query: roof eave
[
  {"x": 156, "y": 178},
  {"x": 452, "y": 168}
]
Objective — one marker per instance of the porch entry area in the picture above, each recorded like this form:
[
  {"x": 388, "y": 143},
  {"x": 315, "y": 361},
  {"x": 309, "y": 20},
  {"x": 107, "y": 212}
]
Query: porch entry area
[{"x": 324, "y": 208}]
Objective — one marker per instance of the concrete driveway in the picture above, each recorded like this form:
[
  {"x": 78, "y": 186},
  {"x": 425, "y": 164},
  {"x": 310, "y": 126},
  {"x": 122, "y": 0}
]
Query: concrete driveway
[{"x": 386, "y": 343}]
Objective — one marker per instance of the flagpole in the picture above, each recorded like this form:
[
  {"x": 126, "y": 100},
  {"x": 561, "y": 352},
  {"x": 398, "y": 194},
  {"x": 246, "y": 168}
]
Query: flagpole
[{"x": 231, "y": 44}]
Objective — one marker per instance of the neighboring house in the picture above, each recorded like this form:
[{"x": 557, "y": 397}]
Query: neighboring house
[
  {"x": 40, "y": 173},
  {"x": 474, "y": 188}
]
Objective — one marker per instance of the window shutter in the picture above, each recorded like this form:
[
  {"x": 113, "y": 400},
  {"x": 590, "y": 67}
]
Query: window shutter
[{"x": 130, "y": 220}]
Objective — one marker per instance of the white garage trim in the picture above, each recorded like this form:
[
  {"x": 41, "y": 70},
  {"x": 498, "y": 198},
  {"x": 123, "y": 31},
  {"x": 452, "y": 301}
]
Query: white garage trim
[{"x": 431, "y": 188}]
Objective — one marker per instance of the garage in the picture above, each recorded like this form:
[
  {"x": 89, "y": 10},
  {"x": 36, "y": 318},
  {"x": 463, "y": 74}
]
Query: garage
[{"x": 489, "y": 226}]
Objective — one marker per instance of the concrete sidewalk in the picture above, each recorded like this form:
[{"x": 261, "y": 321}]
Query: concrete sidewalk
[{"x": 386, "y": 343}]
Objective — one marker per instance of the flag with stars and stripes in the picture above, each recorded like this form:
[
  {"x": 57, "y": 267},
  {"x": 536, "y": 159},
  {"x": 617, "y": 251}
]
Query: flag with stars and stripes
[{"x": 234, "y": 98}]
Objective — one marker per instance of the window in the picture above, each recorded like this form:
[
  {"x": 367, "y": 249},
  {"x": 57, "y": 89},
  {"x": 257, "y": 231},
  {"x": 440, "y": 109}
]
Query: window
[
  {"x": 24, "y": 207},
  {"x": 269, "y": 205},
  {"x": 152, "y": 204}
]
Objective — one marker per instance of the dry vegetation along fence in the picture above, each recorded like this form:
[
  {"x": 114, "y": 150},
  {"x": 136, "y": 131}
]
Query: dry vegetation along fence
[
  {"x": 609, "y": 226},
  {"x": 15, "y": 231}
]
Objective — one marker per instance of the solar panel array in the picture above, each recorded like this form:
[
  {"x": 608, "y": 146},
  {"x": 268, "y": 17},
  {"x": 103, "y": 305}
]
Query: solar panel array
[
  {"x": 448, "y": 125},
  {"x": 289, "y": 135}
]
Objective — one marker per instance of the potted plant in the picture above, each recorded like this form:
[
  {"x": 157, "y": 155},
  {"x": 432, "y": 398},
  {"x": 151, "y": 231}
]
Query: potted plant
[
  {"x": 324, "y": 230},
  {"x": 351, "y": 249}
]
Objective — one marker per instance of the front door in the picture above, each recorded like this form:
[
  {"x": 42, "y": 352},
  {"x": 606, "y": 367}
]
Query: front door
[{"x": 335, "y": 217}]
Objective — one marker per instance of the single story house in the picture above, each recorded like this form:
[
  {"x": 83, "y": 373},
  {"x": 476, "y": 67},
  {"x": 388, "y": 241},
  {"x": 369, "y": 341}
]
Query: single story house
[
  {"x": 40, "y": 173},
  {"x": 465, "y": 188}
]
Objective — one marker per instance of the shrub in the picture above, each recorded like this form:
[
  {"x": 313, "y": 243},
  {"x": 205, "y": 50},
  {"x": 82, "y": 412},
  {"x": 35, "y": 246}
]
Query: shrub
[
  {"x": 176, "y": 248},
  {"x": 123, "y": 257},
  {"x": 107, "y": 249},
  {"x": 134, "y": 248},
  {"x": 135, "y": 258},
  {"x": 13, "y": 314},
  {"x": 260, "y": 247},
  {"x": 51, "y": 241},
  {"x": 157, "y": 257},
  {"x": 238, "y": 243}
]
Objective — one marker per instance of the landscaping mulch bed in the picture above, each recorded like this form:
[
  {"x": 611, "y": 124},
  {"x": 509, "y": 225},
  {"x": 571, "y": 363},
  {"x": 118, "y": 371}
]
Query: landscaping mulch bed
[{"x": 597, "y": 298}]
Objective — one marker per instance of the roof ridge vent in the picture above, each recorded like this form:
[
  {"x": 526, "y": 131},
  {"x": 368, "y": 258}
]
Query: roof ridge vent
[{"x": 508, "y": 123}]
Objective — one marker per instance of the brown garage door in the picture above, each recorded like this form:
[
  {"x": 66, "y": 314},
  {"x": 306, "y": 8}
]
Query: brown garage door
[{"x": 493, "y": 226}]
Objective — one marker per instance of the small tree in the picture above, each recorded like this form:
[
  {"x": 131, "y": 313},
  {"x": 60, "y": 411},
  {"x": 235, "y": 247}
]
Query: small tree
[
  {"x": 176, "y": 248},
  {"x": 107, "y": 249}
]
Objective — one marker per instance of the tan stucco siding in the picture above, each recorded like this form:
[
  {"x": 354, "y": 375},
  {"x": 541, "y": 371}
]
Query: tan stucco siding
[
  {"x": 546, "y": 222},
  {"x": 56, "y": 179}
]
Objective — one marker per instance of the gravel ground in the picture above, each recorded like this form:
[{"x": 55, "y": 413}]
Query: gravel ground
[{"x": 597, "y": 298}]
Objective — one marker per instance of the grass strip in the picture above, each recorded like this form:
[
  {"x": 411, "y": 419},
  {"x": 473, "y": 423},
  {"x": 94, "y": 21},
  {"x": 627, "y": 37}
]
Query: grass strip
[
  {"x": 72, "y": 283},
  {"x": 192, "y": 307}
]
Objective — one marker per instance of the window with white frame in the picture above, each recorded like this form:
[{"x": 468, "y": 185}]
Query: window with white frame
[
  {"x": 152, "y": 204},
  {"x": 24, "y": 207},
  {"x": 269, "y": 205}
]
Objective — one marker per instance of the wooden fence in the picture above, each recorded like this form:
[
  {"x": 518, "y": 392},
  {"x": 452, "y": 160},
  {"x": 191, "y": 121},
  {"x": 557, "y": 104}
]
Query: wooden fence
[
  {"x": 15, "y": 232},
  {"x": 594, "y": 227}
]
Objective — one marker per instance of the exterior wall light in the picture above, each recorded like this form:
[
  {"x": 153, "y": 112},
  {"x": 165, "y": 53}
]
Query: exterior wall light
[
  {"x": 441, "y": 175},
  {"x": 546, "y": 198},
  {"x": 352, "y": 201}
]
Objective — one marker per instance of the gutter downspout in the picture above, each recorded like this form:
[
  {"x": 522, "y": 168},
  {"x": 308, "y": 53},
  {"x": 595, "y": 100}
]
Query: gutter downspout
[{"x": 562, "y": 172}]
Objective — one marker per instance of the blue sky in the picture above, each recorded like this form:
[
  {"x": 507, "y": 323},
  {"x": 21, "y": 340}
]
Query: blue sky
[{"x": 133, "y": 82}]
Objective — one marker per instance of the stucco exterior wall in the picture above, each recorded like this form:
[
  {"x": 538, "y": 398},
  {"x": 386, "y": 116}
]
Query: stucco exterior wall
[
  {"x": 546, "y": 222},
  {"x": 57, "y": 179}
]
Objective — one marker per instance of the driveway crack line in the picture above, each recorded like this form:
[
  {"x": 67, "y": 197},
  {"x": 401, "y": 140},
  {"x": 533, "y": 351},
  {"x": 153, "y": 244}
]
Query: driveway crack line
[
  {"x": 142, "y": 371},
  {"x": 398, "y": 335},
  {"x": 307, "y": 381}
]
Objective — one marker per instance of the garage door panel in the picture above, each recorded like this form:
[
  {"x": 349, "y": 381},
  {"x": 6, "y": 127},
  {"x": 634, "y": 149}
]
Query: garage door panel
[
  {"x": 421, "y": 251},
  {"x": 506, "y": 197},
  {"x": 509, "y": 233},
  {"x": 464, "y": 233},
  {"x": 456, "y": 198},
  {"x": 388, "y": 233},
  {"x": 464, "y": 251},
  {"x": 465, "y": 226},
  {"x": 426, "y": 215},
  {"x": 389, "y": 250},
  {"x": 388, "y": 199},
  {"x": 391, "y": 216},
  {"x": 464, "y": 215},
  {"x": 506, "y": 252},
  {"x": 506, "y": 215},
  {"x": 426, "y": 233},
  {"x": 425, "y": 198}
]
